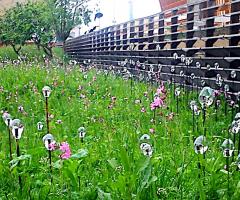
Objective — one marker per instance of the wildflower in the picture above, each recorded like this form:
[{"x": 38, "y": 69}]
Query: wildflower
[
  {"x": 170, "y": 116},
  {"x": 113, "y": 98},
  {"x": 59, "y": 121},
  {"x": 82, "y": 96},
  {"x": 80, "y": 88},
  {"x": 20, "y": 109},
  {"x": 151, "y": 130},
  {"x": 216, "y": 93},
  {"x": 52, "y": 146},
  {"x": 157, "y": 103},
  {"x": 66, "y": 152},
  {"x": 143, "y": 110},
  {"x": 161, "y": 90}
]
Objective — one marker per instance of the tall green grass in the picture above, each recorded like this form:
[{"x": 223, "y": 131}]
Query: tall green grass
[
  {"x": 109, "y": 163},
  {"x": 31, "y": 51}
]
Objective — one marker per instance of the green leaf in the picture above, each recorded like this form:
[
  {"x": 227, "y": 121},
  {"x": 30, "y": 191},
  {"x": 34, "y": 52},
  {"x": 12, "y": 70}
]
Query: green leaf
[
  {"x": 57, "y": 164},
  {"x": 113, "y": 163},
  {"x": 80, "y": 154},
  {"x": 103, "y": 195}
]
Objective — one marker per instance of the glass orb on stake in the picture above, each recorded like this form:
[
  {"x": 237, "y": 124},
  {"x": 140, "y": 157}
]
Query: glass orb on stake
[
  {"x": 7, "y": 118},
  {"x": 46, "y": 93}
]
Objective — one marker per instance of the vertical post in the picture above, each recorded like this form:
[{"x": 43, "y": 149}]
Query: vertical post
[
  {"x": 9, "y": 140},
  {"x": 18, "y": 154},
  {"x": 47, "y": 119}
]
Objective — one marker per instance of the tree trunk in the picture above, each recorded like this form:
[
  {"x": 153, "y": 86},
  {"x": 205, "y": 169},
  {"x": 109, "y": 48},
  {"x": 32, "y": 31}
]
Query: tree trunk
[
  {"x": 47, "y": 50},
  {"x": 15, "y": 49}
]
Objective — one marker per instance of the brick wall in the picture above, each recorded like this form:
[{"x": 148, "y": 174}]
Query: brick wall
[{"x": 169, "y": 4}]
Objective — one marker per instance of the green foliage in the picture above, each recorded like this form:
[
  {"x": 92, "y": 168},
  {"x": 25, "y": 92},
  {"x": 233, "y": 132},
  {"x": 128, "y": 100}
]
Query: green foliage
[
  {"x": 108, "y": 163},
  {"x": 67, "y": 14},
  {"x": 22, "y": 22},
  {"x": 12, "y": 29},
  {"x": 31, "y": 52}
]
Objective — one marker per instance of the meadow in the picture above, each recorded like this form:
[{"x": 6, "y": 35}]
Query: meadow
[{"x": 123, "y": 141}]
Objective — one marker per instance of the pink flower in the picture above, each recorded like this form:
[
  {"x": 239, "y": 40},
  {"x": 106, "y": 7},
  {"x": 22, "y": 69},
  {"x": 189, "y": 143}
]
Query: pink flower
[
  {"x": 143, "y": 110},
  {"x": 161, "y": 90},
  {"x": 114, "y": 98},
  {"x": 80, "y": 88},
  {"x": 151, "y": 130},
  {"x": 170, "y": 116},
  {"x": 52, "y": 146},
  {"x": 157, "y": 103},
  {"x": 64, "y": 147},
  {"x": 216, "y": 93}
]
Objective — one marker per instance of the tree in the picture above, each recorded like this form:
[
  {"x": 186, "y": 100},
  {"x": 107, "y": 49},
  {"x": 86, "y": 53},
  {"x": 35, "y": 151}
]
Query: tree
[
  {"x": 22, "y": 23},
  {"x": 12, "y": 31},
  {"x": 41, "y": 23},
  {"x": 67, "y": 14}
]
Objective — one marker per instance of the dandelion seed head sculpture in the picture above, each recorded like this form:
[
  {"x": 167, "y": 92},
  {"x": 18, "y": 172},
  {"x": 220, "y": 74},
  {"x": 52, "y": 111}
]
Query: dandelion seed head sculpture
[
  {"x": 203, "y": 83},
  {"x": 81, "y": 132},
  {"x": 172, "y": 69},
  {"x": 228, "y": 148},
  {"x": 216, "y": 65},
  {"x": 208, "y": 67},
  {"x": 226, "y": 88},
  {"x": 198, "y": 64},
  {"x": 146, "y": 149},
  {"x": 200, "y": 146},
  {"x": 46, "y": 91},
  {"x": 206, "y": 96},
  {"x": 233, "y": 74},
  {"x": 39, "y": 126},
  {"x": 192, "y": 76},
  {"x": 47, "y": 140},
  {"x": 145, "y": 137},
  {"x": 7, "y": 118},
  {"x": 17, "y": 128},
  {"x": 181, "y": 73},
  {"x": 175, "y": 56},
  {"x": 177, "y": 91}
]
